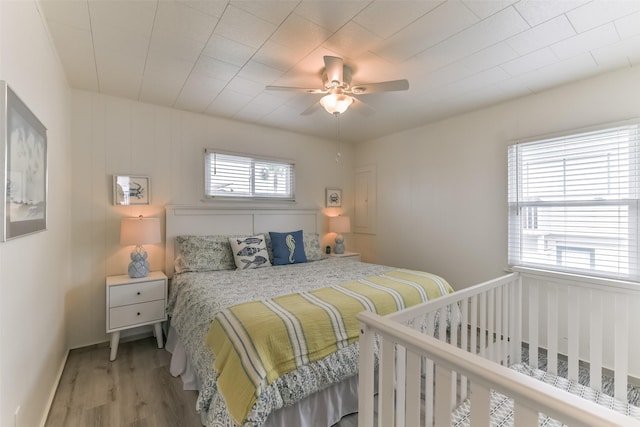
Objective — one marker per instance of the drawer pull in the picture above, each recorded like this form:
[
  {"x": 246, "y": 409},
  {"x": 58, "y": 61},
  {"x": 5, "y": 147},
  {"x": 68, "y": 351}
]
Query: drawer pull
[
  {"x": 138, "y": 293},
  {"x": 138, "y": 313}
]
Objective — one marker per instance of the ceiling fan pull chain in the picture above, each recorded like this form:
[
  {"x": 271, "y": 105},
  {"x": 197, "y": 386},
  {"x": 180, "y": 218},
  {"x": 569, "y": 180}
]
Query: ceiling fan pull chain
[{"x": 338, "y": 154}]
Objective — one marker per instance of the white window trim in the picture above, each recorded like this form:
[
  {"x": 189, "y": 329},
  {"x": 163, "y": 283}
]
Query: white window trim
[{"x": 249, "y": 198}]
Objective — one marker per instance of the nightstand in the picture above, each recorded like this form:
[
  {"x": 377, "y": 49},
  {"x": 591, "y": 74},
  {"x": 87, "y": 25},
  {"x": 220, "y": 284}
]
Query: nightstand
[
  {"x": 135, "y": 302},
  {"x": 347, "y": 255}
]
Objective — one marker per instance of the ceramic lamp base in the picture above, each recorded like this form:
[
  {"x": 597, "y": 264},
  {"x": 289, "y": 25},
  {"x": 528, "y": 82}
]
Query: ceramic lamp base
[
  {"x": 339, "y": 246},
  {"x": 139, "y": 266},
  {"x": 138, "y": 269}
]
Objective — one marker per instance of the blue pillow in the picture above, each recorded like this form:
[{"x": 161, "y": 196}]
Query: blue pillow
[{"x": 288, "y": 248}]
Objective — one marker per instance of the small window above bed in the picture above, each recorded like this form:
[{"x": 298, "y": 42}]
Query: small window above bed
[{"x": 229, "y": 175}]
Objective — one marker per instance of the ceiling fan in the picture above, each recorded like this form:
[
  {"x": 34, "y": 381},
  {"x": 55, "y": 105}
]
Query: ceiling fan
[{"x": 339, "y": 94}]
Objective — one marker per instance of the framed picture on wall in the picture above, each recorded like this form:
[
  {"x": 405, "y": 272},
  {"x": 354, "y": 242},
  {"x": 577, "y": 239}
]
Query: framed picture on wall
[
  {"x": 333, "y": 197},
  {"x": 23, "y": 164},
  {"x": 131, "y": 190}
]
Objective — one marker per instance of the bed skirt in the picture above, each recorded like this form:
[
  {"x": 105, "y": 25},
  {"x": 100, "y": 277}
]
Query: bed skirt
[{"x": 322, "y": 409}]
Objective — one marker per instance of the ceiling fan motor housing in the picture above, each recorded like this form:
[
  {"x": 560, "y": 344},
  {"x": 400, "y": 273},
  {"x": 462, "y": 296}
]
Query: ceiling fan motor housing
[{"x": 345, "y": 84}]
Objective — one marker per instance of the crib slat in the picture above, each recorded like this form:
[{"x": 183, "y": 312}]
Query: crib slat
[
  {"x": 523, "y": 416},
  {"x": 533, "y": 324},
  {"x": 515, "y": 327},
  {"x": 480, "y": 406},
  {"x": 412, "y": 410},
  {"x": 595, "y": 341},
  {"x": 483, "y": 324},
  {"x": 499, "y": 332},
  {"x": 453, "y": 324},
  {"x": 464, "y": 342},
  {"x": 453, "y": 327},
  {"x": 429, "y": 324},
  {"x": 429, "y": 375},
  {"x": 506, "y": 319},
  {"x": 366, "y": 377},
  {"x": 491, "y": 324},
  {"x": 621, "y": 346},
  {"x": 573, "y": 331},
  {"x": 401, "y": 379},
  {"x": 386, "y": 383},
  {"x": 443, "y": 403},
  {"x": 442, "y": 324},
  {"x": 428, "y": 392},
  {"x": 552, "y": 328},
  {"x": 474, "y": 325}
]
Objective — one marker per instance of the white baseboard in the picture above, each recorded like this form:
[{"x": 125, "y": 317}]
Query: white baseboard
[{"x": 52, "y": 393}]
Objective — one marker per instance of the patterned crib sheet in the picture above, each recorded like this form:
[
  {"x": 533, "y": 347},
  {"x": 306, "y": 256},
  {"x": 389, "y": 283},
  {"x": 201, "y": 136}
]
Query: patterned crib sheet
[{"x": 502, "y": 407}]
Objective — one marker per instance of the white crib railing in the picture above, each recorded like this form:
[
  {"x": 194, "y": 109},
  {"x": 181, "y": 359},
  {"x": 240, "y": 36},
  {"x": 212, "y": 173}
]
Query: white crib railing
[{"x": 422, "y": 379}]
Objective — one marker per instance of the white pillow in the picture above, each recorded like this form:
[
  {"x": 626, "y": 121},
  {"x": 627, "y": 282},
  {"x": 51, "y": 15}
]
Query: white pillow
[{"x": 250, "y": 252}]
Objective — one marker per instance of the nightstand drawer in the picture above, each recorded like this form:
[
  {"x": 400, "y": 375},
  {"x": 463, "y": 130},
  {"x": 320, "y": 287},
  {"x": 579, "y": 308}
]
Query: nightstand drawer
[
  {"x": 129, "y": 315},
  {"x": 136, "y": 292}
]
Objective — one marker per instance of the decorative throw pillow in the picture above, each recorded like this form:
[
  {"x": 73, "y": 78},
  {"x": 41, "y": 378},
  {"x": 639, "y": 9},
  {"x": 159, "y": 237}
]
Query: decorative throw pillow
[
  {"x": 203, "y": 253},
  {"x": 269, "y": 247},
  {"x": 312, "y": 246},
  {"x": 288, "y": 248},
  {"x": 250, "y": 252}
]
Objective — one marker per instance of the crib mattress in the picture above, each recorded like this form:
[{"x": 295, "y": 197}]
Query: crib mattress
[{"x": 502, "y": 406}]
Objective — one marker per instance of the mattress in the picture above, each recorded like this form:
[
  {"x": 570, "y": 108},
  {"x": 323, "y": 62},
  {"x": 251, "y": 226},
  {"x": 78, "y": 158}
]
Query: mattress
[{"x": 501, "y": 413}]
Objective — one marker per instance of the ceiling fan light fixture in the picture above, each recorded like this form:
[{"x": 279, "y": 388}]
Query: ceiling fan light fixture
[{"x": 336, "y": 103}]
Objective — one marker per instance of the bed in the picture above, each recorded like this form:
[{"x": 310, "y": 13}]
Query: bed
[
  {"x": 532, "y": 348},
  {"x": 320, "y": 390}
]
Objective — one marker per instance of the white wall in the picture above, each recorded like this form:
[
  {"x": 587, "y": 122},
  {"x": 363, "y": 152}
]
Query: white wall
[
  {"x": 34, "y": 270},
  {"x": 442, "y": 188},
  {"x": 116, "y": 136}
]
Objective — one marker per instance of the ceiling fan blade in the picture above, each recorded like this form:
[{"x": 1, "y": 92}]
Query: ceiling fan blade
[
  {"x": 362, "y": 108},
  {"x": 389, "y": 86},
  {"x": 312, "y": 109},
  {"x": 296, "y": 89},
  {"x": 333, "y": 69}
]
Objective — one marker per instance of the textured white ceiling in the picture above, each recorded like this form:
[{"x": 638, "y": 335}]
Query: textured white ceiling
[{"x": 216, "y": 57}]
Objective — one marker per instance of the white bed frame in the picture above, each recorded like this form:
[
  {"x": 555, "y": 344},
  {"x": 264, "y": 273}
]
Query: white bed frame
[
  {"x": 205, "y": 220},
  {"x": 583, "y": 319}
]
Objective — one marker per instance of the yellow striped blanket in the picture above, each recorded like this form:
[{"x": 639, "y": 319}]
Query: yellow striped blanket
[{"x": 256, "y": 342}]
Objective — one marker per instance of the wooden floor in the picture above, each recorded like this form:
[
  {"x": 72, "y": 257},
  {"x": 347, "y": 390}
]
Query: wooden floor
[{"x": 135, "y": 390}]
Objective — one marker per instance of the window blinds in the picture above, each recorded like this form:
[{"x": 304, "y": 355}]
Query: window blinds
[
  {"x": 231, "y": 175},
  {"x": 573, "y": 203}
]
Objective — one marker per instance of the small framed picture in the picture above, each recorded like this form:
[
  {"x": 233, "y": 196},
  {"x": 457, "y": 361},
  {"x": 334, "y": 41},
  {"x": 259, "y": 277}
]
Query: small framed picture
[
  {"x": 333, "y": 197},
  {"x": 131, "y": 190}
]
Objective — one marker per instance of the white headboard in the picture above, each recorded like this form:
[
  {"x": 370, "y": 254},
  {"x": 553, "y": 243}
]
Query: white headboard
[{"x": 204, "y": 220}]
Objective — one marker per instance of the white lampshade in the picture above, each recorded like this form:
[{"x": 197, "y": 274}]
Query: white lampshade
[
  {"x": 339, "y": 224},
  {"x": 336, "y": 103},
  {"x": 139, "y": 231}
]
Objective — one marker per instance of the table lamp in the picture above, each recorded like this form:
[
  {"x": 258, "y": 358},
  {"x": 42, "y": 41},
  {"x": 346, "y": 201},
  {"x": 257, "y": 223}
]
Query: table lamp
[
  {"x": 339, "y": 224},
  {"x": 139, "y": 231}
]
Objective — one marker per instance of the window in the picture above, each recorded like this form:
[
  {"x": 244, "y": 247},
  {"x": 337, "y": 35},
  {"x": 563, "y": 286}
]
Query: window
[
  {"x": 573, "y": 203},
  {"x": 233, "y": 175}
]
